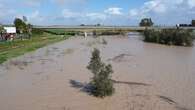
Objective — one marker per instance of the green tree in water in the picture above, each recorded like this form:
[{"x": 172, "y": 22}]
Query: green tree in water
[{"x": 101, "y": 81}]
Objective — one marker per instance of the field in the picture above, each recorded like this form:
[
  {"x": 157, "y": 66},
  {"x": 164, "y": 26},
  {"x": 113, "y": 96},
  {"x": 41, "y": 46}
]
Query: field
[{"x": 19, "y": 47}]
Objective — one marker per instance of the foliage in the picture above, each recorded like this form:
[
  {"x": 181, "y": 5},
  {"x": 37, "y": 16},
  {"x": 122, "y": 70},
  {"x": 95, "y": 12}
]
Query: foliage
[
  {"x": 193, "y": 22},
  {"x": 60, "y": 32},
  {"x": 19, "y": 47},
  {"x": 179, "y": 37},
  {"x": 108, "y": 32},
  {"x": 2, "y": 29},
  {"x": 20, "y": 25},
  {"x": 37, "y": 31},
  {"x": 101, "y": 81},
  {"x": 146, "y": 22}
]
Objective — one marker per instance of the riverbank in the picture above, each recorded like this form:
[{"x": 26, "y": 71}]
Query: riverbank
[{"x": 19, "y": 47}]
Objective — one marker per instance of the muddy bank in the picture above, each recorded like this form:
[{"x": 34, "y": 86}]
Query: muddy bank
[{"x": 146, "y": 76}]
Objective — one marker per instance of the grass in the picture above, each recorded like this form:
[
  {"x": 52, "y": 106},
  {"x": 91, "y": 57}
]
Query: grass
[
  {"x": 60, "y": 31},
  {"x": 19, "y": 47}
]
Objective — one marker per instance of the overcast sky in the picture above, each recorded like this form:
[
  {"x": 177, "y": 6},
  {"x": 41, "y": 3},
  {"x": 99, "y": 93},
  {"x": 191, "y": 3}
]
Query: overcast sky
[{"x": 107, "y": 12}]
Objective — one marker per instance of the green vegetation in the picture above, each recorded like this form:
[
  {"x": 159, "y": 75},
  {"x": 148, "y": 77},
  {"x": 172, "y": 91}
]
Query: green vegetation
[
  {"x": 22, "y": 28},
  {"x": 111, "y": 32},
  {"x": 96, "y": 31},
  {"x": 18, "y": 47},
  {"x": 179, "y": 37},
  {"x": 37, "y": 31},
  {"x": 2, "y": 30},
  {"x": 20, "y": 25},
  {"x": 146, "y": 22},
  {"x": 108, "y": 32},
  {"x": 193, "y": 23},
  {"x": 101, "y": 81}
]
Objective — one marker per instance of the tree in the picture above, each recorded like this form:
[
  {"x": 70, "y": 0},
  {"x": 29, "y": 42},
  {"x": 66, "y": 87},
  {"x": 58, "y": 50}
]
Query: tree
[
  {"x": 146, "y": 22},
  {"x": 101, "y": 81},
  {"x": 193, "y": 22},
  {"x": 20, "y": 25},
  {"x": 2, "y": 30},
  {"x": 30, "y": 27},
  {"x": 98, "y": 24}
]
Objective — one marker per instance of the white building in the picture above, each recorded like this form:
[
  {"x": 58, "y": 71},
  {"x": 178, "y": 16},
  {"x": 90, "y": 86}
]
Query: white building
[
  {"x": 10, "y": 33},
  {"x": 10, "y": 30}
]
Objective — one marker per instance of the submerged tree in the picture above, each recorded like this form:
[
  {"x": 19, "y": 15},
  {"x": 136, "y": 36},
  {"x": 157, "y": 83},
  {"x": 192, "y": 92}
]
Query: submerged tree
[{"x": 101, "y": 81}]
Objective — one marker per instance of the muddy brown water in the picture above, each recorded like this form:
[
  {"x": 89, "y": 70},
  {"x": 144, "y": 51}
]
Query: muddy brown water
[{"x": 147, "y": 76}]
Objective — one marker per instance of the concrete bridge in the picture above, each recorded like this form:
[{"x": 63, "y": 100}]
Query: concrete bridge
[
  {"x": 89, "y": 30},
  {"x": 123, "y": 28}
]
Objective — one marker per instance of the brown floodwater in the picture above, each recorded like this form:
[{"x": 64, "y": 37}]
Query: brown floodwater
[{"x": 147, "y": 76}]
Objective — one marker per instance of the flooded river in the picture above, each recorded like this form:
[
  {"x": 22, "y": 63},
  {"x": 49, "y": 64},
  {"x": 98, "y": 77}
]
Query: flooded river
[{"x": 147, "y": 76}]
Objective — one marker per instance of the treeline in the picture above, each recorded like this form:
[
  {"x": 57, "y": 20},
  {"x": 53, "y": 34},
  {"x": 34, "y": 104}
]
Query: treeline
[
  {"x": 108, "y": 32},
  {"x": 41, "y": 31},
  {"x": 72, "y": 33},
  {"x": 179, "y": 37}
]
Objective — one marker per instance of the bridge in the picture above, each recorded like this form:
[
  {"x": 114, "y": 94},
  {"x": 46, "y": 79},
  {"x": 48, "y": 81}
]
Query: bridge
[{"x": 123, "y": 28}]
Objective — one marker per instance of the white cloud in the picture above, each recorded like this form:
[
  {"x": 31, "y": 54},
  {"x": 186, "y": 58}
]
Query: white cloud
[
  {"x": 66, "y": 13},
  {"x": 32, "y": 2},
  {"x": 6, "y": 14},
  {"x": 133, "y": 12},
  {"x": 35, "y": 17},
  {"x": 94, "y": 16},
  {"x": 76, "y": 11},
  {"x": 191, "y": 3},
  {"x": 114, "y": 11},
  {"x": 163, "y": 6},
  {"x": 162, "y": 9}
]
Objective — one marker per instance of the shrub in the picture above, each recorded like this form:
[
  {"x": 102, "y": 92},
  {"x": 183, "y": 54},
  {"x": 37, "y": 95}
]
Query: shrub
[
  {"x": 101, "y": 81},
  {"x": 60, "y": 32},
  {"x": 179, "y": 37},
  {"x": 104, "y": 41}
]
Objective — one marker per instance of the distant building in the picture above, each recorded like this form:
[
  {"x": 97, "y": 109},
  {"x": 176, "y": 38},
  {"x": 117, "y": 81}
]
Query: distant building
[
  {"x": 10, "y": 30},
  {"x": 10, "y": 33}
]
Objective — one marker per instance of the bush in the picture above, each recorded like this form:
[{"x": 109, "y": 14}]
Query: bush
[
  {"x": 101, "y": 81},
  {"x": 179, "y": 37},
  {"x": 60, "y": 32}
]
